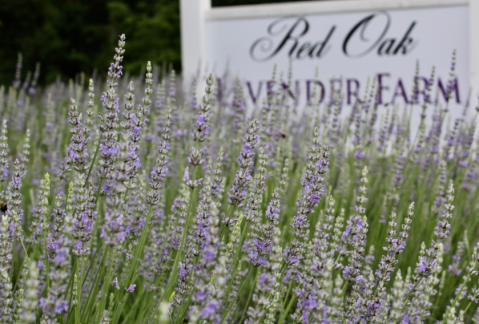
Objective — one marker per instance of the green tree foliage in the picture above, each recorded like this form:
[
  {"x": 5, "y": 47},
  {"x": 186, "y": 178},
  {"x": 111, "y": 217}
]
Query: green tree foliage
[
  {"x": 68, "y": 36},
  {"x": 152, "y": 27}
]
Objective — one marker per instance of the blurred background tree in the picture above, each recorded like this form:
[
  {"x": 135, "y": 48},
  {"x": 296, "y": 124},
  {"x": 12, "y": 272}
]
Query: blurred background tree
[{"x": 72, "y": 36}]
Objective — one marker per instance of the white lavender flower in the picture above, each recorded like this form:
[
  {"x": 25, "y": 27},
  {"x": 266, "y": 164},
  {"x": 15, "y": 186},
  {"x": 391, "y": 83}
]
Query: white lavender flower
[
  {"x": 4, "y": 153},
  {"x": 6, "y": 300},
  {"x": 77, "y": 150},
  {"x": 30, "y": 301}
]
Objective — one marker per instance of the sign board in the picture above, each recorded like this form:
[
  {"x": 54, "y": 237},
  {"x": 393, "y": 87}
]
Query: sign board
[{"x": 348, "y": 42}]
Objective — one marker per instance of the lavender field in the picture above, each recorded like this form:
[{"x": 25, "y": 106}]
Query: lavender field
[{"x": 138, "y": 200}]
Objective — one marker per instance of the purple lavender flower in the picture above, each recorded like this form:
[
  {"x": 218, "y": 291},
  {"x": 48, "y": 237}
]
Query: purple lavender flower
[
  {"x": 237, "y": 192},
  {"x": 110, "y": 102},
  {"x": 131, "y": 288},
  {"x": 313, "y": 189}
]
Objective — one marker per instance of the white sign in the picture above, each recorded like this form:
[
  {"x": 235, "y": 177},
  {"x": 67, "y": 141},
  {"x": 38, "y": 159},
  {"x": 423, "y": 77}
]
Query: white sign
[{"x": 348, "y": 41}]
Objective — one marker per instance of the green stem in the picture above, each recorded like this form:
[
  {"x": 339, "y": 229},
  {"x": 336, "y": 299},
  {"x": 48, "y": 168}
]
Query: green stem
[
  {"x": 468, "y": 305},
  {"x": 77, "y": 306},
  {"x": 287, "y": 294},
  {"x": 132, "y": 309},
  {"x": 345, "y": 286},
  {"x": 236, "y": 298},
  {"x": 409, "y": 294},
  {"x": 47, "y": 268},
  {"x": 118, "y": 308},
  {"x": 106, "y": 283},
  {"x": 462, "y": 287},
  {"x": 68, "y": 292},
  {"x": 286, "y": 312},
  {"x": 139, "y": 248},
  {"x": 93, "y": 161},
  {"x": 236, "y": 259},
  {"x": 174, "y": 273},
  {"x": 250, "y": 295},
  {"x": 93, "y": 291}
]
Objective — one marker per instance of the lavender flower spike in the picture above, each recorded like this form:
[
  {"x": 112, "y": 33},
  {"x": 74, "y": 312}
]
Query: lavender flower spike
[
  {"x": 237, "y": 194},
  {"x": 4, "y": 153},
  {"x": 110, "y": 101},
  {"x": 30, "y": 301},
  {"x": 5, "y": 262},
  {"x": 77, "y": 151},
  {"x": 160, "y": 171},
  {"x": 201, "y": 131},
  {"x": 313, "y": 189}
]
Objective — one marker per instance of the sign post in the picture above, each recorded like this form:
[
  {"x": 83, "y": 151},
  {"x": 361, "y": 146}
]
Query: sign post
[{"x": 193, "y": 41}]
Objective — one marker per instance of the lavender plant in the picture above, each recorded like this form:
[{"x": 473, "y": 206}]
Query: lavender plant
[{"x": 129, "y": 202}]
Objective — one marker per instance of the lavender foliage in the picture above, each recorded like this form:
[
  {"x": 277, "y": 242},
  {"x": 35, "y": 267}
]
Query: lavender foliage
[{"x": 134, "y": 201}]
